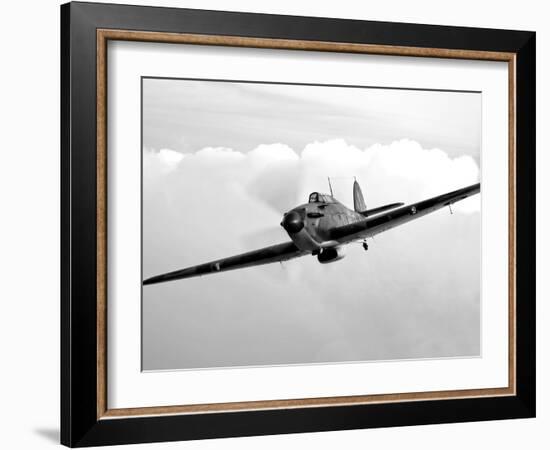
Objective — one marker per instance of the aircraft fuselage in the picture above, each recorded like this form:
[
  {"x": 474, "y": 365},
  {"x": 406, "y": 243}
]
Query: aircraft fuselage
[{"x": 318, "y": 219}]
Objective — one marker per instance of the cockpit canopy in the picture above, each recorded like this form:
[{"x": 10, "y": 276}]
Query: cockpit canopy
[{"x": 317, "y": 197}]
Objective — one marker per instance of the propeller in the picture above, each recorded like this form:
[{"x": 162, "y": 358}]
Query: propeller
[
  {"x": 269, "y": 235},
  {"x": 292, "y": 222},
  {"x": 276, "y": 188}
]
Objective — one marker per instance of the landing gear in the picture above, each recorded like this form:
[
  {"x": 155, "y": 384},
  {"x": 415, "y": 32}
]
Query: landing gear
[{"x": 365, "y": 245}]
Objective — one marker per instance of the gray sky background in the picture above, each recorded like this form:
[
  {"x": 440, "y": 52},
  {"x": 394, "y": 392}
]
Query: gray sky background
[
  {"x": 223, "y": 161},
  {"x": 186, "y": 116}
]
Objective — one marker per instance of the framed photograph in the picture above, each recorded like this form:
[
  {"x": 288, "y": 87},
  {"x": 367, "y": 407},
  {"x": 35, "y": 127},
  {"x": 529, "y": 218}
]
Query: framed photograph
[{"x": 277, "y": 224}]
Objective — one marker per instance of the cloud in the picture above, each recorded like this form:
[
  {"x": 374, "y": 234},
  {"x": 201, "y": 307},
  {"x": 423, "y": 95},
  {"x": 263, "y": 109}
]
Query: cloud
[
  {"x": 161, "y": 162},
  {"x": 281, "y": 177},
  {"x": 415, "y": 293}
]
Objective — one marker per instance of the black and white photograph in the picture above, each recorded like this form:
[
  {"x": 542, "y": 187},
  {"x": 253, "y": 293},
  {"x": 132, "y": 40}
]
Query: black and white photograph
[{"x": 298, "y": 224}]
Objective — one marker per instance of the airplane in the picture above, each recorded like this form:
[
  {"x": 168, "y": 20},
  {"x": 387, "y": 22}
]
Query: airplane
[{"x": 321, "y": 227}]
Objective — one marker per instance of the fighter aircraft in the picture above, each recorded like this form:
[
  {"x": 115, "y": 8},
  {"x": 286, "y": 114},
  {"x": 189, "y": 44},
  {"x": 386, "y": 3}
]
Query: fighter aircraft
[{"x": 321, "y": 227}]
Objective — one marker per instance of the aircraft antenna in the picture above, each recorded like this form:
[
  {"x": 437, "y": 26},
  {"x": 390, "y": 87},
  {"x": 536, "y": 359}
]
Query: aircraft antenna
[{"x": 330, "y": 187}]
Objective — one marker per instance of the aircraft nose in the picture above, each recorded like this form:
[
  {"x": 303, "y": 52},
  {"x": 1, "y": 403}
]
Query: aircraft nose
[{"x": 292, "y": 222}]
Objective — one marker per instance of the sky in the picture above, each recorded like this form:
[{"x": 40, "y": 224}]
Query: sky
[
  {"x": 186, "y": 116},
  {"x": 222, "y": 162}
]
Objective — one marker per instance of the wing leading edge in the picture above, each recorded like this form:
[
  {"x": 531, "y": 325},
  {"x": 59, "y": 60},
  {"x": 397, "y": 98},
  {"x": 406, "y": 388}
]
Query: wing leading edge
[
  {"x": 266, "y": 255},
  {"x": 378, "y": 224}
]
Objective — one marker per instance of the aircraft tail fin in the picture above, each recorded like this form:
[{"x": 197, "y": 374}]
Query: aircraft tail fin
[{"x": 358, "y": 200}]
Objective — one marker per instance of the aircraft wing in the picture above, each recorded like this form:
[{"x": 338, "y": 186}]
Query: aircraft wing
[
  {"x": 266, "y": 255},
  {"x": 382, "y": 222}
]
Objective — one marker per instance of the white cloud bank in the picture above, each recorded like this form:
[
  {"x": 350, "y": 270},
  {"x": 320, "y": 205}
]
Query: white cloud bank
[{"x": 278, "y": 175}]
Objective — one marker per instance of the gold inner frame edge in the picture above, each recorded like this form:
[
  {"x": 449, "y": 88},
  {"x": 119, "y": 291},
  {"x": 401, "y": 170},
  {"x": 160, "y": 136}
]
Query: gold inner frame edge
[{"x": 103, "y": 36}]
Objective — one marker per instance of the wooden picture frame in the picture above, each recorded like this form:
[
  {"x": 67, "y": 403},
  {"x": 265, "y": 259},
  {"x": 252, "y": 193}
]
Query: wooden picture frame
[{"x": 86, "y": 418}]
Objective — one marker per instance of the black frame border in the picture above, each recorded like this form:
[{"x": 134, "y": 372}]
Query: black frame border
[{"x": 79, "y": 423}]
